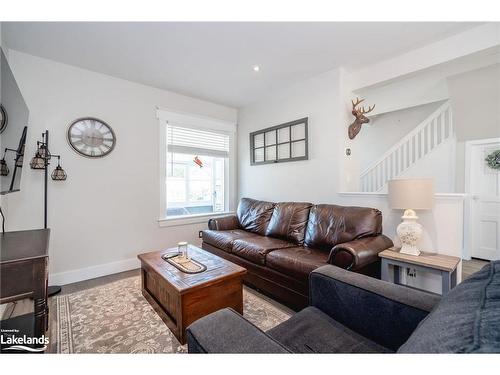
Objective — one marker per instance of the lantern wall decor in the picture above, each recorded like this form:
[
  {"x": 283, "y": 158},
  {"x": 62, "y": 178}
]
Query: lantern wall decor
[
  {"x": 42, "y": 158},
  {"x": 18, "y": 159},
  {"x": 58, "y": 174},
  {"x": 4, "y": 169}
]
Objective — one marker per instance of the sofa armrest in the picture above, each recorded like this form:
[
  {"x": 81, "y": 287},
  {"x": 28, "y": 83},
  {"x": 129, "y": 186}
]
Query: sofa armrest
[
  {"x": 384, "y": 312},
  {"x": 224, "y": 223},
  {"x": 359, "y": 253},
  {"x": 226, "y": 331}
]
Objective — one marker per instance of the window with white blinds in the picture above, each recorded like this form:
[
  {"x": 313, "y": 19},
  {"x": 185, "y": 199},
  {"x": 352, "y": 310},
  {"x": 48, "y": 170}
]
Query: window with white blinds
[
  {"x": 196, "y": 170},
  {"x": 185, "y": 140},
  {"x": 197, "y": 166}
]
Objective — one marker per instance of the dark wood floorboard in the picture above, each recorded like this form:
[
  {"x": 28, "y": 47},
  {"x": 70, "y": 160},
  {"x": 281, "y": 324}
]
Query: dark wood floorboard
[
  {"x": 470, "y": 267},
  {"x": 92, "y": 283}
]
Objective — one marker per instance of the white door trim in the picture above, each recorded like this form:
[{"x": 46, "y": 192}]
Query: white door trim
[
  {"x": 197, "y": 122},
  {"x": 469, "y": 215}
]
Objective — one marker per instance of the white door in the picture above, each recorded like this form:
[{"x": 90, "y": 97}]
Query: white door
[{"x": 483, "y": 188}]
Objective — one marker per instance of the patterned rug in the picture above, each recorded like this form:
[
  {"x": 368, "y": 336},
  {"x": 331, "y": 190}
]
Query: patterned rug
[{"x": 116, "y": 318}]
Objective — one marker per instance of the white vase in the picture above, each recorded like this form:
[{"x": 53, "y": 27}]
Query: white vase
[{"x": 409, "y": 232}]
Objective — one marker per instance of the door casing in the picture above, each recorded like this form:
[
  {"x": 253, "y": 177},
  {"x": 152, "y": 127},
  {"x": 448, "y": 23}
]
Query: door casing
[{"x": 470, "y": 213}]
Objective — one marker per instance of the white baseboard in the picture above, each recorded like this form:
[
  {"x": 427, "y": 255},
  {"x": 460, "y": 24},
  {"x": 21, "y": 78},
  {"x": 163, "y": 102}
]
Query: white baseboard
[{"x": 81, "y": 274}]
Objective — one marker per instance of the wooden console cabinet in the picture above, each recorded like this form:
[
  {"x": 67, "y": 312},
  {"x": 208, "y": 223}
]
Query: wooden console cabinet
[{"x": 24, "y": 274}]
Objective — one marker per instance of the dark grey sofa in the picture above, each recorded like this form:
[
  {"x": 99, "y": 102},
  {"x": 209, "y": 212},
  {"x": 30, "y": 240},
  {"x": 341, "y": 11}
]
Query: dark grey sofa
[{"x": 353, "y": 313}]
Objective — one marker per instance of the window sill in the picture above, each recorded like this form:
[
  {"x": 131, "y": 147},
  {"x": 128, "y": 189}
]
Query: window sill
[{"x": 190, "y": 219}]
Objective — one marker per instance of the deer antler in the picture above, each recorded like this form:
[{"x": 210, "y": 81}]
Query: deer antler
[
  {"x": 363, "y": 111},
  {"x": 357, "y": 102},
  {"x": 359, "y": 114}
]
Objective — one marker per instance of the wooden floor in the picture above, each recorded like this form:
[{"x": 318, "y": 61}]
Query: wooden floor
[{"x": 471, "y": 266}]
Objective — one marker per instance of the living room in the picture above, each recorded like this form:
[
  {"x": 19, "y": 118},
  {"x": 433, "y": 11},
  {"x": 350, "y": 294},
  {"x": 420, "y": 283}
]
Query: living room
[{"x": 250, "y": 187}]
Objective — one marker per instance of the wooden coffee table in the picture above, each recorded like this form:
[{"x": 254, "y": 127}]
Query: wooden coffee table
[{"x": 181, "y": 298}]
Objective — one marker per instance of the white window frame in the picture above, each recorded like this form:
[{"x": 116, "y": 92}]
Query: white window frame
[{"x": 166, "y": 117}]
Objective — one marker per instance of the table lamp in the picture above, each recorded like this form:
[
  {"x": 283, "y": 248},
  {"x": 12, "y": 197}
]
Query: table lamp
[{"x": 410, "y": 195}]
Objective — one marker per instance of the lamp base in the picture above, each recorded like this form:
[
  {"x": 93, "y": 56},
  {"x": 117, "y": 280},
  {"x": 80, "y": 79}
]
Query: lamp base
[
  {"x": 410, "y": 250},
  {"x": 409, "y": 231}
]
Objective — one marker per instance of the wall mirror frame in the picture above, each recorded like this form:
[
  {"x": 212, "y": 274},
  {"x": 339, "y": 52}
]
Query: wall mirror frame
[{"x": 281, "y": 143}]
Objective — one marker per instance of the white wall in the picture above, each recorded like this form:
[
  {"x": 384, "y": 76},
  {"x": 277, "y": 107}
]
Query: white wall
[
  {"x": 475, "y": 101},
  {"x": 389, "y": 128},
  {"x": 18, "y": 115},
  {"x": 415, "y": 90},
  {"x": 418, "y": 77},
  {"x": 467, "y": 43},
  {"x": 439, "y": 164},
  {"x": 316, "y": 179},
  {"x": 106, "y": 212},
  {"x": 475, "y": 97},
  {"x": 107, "y": 209},
  {"x": 474, "y": 93}
]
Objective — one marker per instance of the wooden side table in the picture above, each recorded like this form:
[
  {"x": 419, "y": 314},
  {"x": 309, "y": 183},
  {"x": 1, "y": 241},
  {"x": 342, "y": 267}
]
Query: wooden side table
[{"x": 443, "y": 265}]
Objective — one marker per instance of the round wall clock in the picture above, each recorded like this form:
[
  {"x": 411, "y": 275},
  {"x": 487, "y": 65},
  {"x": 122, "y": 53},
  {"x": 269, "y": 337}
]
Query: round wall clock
[
  {"x": 3, "y": 118},
  {"x": 91, "y": 137}
]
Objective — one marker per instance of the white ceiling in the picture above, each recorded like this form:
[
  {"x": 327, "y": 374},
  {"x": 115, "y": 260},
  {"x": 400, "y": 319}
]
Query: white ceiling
[{"x": 214, "y": 61}]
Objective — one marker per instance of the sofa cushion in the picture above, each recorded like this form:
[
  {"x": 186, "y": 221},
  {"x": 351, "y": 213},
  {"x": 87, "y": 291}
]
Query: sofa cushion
[
  {"x": 330, "y": 225},
  {"x": 255, "y": 249},
  {"x": 467, "y": 320},
  {"x": 297, "y": 262},
  {"x": 312, "y": 331},
  {"x": 254, "y": 215},
  {"x": 288, "y": 221},
  {"x": 223, "y": 239}
]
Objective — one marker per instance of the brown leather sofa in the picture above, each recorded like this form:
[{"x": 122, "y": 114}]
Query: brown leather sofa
[{"x": 281, "y": 243}]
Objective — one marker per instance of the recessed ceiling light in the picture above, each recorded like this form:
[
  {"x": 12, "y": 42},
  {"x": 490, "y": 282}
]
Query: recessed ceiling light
[{"x": 256, "y": 68}]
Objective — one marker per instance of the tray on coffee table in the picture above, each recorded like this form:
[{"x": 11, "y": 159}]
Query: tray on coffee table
[{"x": 187, "y": 265}]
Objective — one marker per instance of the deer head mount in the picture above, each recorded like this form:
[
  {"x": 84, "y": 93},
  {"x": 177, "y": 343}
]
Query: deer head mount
[{"x": 361, "y": 119}]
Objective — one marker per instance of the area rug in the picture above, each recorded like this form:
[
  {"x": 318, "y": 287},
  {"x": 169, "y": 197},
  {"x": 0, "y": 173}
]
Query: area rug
[{"x": 116, "y": 318}]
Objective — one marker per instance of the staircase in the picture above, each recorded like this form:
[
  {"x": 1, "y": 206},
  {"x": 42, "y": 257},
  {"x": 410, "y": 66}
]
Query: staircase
[{"x": 422, "y": 140}]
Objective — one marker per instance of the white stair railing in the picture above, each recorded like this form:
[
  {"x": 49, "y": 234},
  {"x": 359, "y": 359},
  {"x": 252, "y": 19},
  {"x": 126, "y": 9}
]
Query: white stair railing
[{"x": 424, "y": 138}]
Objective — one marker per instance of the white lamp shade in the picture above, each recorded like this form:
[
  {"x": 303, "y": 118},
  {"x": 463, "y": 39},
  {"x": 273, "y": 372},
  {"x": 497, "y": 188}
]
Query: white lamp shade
[{"x": 415, "y": 194}]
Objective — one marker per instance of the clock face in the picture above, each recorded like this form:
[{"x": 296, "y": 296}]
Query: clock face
[
  {"x": 91, "y": 137},
  {"x": 3, "y": 118}
]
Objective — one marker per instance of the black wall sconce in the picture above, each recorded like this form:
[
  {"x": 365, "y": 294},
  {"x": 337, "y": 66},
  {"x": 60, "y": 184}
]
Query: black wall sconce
[
  {"x": 4, "y": 170},
  {"x": 18, "y": 159}
]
